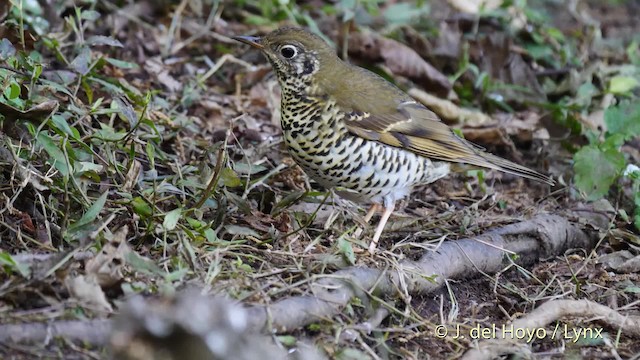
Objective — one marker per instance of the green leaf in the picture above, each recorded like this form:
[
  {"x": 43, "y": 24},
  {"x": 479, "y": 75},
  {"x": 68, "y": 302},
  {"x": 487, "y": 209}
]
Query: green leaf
[
  {"x": 107, "y": 133},
  {"x": 229, "y": 178},
  {"x": 143, "y": 264},
  {"x": 90, "y": 15},
  {"x": 171, "y": 219},
  {"x": 287, "y": 340},
  {"x": 211, "y": 236},
  {"x": 141, "y": 207},
  {"x": 122, "y": 64},
  {"x": 56, "y": 155},
  {"x": 195, "y": 223},
  {"x": 623, "y": 119},
  {"x": 346, "y": 249},
  {"x": 7, "y": 260},
  {"x": 151, "y": 154},
  {"x": 82, "y": 61},
  {"x": 13, "y": 91},
  {"x": 91, "y": 214},
  {"x": 596, "y": 170},
  {"x": 82, "y": 167},
  {"x": 622, "y": 84},
  {"x": 403, "y": 13},
  {"x": 61, "y": 124},
  {"x": 103, "y": 40}
]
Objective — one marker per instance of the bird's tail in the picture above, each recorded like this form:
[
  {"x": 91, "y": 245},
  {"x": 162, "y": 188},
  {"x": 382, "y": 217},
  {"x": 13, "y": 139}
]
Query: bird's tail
[{"x": 487, "y": 160}]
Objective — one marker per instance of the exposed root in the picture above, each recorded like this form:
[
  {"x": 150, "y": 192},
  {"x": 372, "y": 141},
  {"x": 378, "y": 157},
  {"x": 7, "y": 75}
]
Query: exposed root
[
  {"x": 546, "y": 314},
  {"x": 539, "y": 238}
]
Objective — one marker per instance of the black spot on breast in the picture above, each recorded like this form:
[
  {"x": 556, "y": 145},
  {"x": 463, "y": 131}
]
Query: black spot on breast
[
  {"x": 308, "y": 67},
  {"x": 357, "y": 168}
]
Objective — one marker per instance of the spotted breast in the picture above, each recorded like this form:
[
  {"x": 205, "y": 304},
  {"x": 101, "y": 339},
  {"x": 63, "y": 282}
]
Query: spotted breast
[{"x": 358, "y": 169}]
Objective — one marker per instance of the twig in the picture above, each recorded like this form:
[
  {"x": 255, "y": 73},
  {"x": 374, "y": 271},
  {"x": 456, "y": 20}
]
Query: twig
[{"x": 214, "y": 178}]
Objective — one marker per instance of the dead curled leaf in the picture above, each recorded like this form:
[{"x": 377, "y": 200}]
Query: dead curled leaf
[
  {"x": 450, "y": 112},
  {"x": 107, "y": 265},
  {"x": 400, "y": 60},
  {"x": 264, "y": 222},
  {"x": 161, "y": 70},
  {"x": 481, "y": 128},
  {"x": 87, "y": 291},
  {"x": 36, "y": 113},
  {"x": 495, "y": 55},
  {"x": 103, "y": 270}
]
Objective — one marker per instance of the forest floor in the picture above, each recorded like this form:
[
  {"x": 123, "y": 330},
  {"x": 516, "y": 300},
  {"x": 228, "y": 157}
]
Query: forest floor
[{"x": 141, "y": 154}]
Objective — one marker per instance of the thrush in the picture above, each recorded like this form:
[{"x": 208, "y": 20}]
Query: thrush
[{"x": 355, "y": 132}]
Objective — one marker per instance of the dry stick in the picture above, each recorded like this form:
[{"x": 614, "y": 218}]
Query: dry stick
[
  {"x": 94, "y": 331},
  {"x": 542, "y": 237},
  {"x": 549, "y": 312}
]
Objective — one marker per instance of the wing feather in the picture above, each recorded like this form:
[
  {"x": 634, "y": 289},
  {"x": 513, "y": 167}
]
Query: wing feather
[{"x": 416, "y": 128}]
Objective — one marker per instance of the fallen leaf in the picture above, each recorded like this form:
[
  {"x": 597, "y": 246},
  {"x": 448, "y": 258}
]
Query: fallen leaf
[
  {"x": 621, "y": 261},
  {"x": 88, "y": 292},
  {"x": 157, "y": 67},
  {"x": 400, "y": 60},
  {"x": 131, "y": 179},
  {"x": 450, "y": 112},
  {"x": 493, "y": 54},
  {"x": 35, "y": 113},
  {"x": 106, "y": 267}
]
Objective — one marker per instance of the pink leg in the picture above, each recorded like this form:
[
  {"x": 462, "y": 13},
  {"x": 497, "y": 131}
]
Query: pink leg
[
  {"x": 367, "y": 218},
  {"x": 371, "y": 212},
  {"x": 383, "y": 221}
]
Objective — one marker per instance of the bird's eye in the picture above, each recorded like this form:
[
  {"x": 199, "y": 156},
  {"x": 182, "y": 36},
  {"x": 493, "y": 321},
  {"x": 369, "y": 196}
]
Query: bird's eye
[{"x": 288, "y": 51}]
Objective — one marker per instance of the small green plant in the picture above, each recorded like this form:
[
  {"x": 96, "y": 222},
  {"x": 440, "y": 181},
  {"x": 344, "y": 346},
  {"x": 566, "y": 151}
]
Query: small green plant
[{"x": 601, "y": 163}]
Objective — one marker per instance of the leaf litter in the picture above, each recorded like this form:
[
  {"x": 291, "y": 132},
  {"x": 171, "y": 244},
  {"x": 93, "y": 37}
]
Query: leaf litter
[{"x": 123, "y": 121}]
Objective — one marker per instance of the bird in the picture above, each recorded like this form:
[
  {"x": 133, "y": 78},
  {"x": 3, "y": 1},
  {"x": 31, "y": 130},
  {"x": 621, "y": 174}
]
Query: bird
[{"x": 357, "y": 133}]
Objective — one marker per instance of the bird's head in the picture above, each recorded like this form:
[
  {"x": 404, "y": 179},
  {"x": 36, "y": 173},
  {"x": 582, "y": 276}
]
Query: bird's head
[{"x": 293, "y": 52}]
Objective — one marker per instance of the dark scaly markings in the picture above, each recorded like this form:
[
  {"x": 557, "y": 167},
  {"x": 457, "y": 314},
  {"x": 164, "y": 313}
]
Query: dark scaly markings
[{"x": 316, "y": 135}]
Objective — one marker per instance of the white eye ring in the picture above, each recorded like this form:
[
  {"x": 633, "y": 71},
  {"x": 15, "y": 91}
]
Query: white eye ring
[{"x": 288, "y": 51}]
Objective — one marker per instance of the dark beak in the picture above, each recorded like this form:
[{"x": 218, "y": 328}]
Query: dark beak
[{"x": 250, "y": 40}]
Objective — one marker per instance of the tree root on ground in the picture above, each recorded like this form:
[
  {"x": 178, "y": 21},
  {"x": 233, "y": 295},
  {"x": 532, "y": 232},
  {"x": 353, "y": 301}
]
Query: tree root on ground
[
  {"x": 547, "y": 313},
  {"x": 541, "y": 237}
]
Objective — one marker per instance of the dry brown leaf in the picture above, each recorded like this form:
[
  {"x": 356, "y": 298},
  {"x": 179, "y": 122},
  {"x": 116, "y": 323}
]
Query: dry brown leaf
[
  {"x": 107, "y": 265},
  {"x": 523, "y": 126},
  {"x": 88, "y": 292},
  {"x": 494, "y": 55},
  {"x": 450, "y": 112},
  {"x": 621, "y": 261},
  {"x": 595, "y": 120},
  {"x": 132, "y": 176},
  {"x": 494, "y": 136},
  {"x": 36, "y": 113},
  {"x": 157, "y": 67},
  {"x": 448, "y": 45},
  {"x": 400, "y": 60},
  {"x": 103, "y": 270}
]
